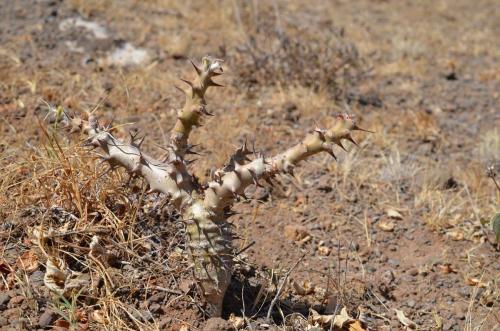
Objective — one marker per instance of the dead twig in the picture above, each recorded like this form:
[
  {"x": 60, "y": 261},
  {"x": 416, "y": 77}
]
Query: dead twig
[{"x": 281, "y": 286}]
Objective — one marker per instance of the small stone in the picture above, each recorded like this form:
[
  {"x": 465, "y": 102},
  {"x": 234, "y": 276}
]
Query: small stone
[
  {"x": 4, "y": 300},
  {"x": 411, "y": 303},
  {"x": 393, "y": 263},
  {"x": 155, "y": 308},
  {"x": 464, "y": 291},
  {"x": 47, "y": 318},
  {"x": 408, "y": 236},
  {"x": 146, "y": 316},
  {"x": 36, "y": 279},
  {"x": 17, "y": 300}
]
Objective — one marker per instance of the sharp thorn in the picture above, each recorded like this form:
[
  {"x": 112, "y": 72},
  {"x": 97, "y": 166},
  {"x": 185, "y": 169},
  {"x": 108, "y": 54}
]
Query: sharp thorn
[
  {"x": 145, "y": 162},
  {"x": 190, "y": 152},
  {"x": 177, "y": 87},
  {"x": 339, "y": 143},
  {"x": 198, "y": 70},
  {"x": 187, "y": 82},
  {"x": 329, "y": 151},
  {"x": 355, "y": 127},
  {"x": 351, "y": 140},
  {"x": 212, "y": 83}
]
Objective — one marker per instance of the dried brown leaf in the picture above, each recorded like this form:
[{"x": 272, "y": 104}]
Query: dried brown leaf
[
  {"x": 472, "y": 281},
  {"x": 62, "y": 324},
  {"x": 55, "y": 275},
  {"x": 315, "y": 318},
  {"x": 338, "y": 321},
  {"x": 303, "y": 289},
  {"x": 356, "y": 326},
  {"x": 237, "y": 321},
  {"x": 342, "y": 319},
  {"x": 28, "y": 261}
]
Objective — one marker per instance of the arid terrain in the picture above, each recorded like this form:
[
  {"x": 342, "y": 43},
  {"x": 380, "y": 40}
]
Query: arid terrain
[{"x": 397, "y": 230}]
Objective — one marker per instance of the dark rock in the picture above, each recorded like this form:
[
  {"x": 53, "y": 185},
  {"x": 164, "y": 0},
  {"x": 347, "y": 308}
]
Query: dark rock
[
  {"x": 451, "y": 76},
  {"x": 370, "y": 100},
  {"x": 4, "y": 300},
  {"x": 47, "y": 318},
  {"x": 155, "y": 308},
  {"x": 36, "y": 279},
  {"x": 450, "y": 183}
]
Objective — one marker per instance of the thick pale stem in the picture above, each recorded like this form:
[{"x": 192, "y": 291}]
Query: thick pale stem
[
  {"x": 209, "y": 242},
  {"x": 222, "y": 191},
  {"x": 169, "y": 177},
  {"x": 195, "y": 105}
]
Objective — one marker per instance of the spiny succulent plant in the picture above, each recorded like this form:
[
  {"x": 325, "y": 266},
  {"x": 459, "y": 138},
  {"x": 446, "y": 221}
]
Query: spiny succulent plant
[{"x": 204, "y": 207}]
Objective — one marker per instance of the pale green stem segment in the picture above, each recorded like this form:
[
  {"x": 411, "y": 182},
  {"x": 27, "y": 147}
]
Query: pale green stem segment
[{"x": 195, "y": 105}]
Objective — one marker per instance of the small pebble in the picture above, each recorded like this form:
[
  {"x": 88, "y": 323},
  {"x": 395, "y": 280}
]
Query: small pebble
[
  {"x": 4, "y": 300},
  {"x": 17, "y": 300},
  {"x": 47, "y": 318},
  {"x": 155, "y": 308},
  {"x": 393, "y": 262}
]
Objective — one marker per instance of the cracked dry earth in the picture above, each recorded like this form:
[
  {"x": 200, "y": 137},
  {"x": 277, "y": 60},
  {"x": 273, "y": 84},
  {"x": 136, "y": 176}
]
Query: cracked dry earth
[{"x": 399, "y": 223}]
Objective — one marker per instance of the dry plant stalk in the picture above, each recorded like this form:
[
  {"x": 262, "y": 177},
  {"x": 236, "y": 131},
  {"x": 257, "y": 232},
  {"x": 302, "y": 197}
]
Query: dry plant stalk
[{"x": 205, "y": 208}]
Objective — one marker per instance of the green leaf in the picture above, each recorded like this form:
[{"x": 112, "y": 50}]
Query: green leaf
[{"x": 495, "y": 226}]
